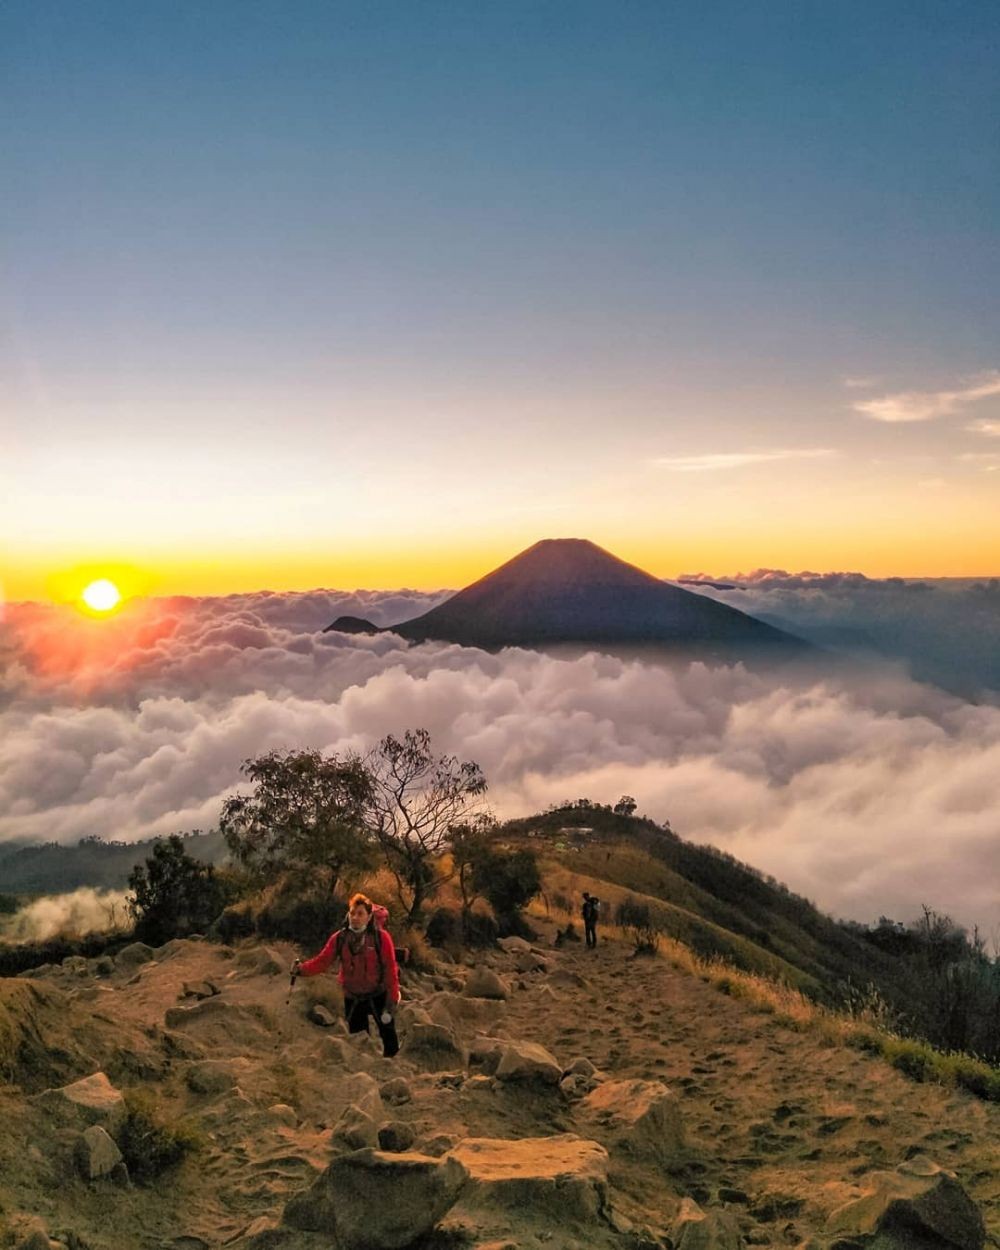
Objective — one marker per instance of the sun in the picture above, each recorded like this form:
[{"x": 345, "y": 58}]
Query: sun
[{"x": 102, "y": 595}]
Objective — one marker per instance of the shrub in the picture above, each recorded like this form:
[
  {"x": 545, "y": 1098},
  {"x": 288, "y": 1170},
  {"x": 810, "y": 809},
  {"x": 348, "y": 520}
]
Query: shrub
[
  {"x": 149, "y": 1144},
  {"x": 508, "y": 880},
  {"x": 637, "y": 919}
]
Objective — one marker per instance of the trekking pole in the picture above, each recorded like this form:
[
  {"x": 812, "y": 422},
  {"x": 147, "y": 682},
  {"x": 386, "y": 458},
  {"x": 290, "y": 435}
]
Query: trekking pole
[{"x": 291, "y": 986}]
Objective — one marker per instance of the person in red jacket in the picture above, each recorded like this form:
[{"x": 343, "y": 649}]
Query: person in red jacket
[{"x": 368, "y": 973}]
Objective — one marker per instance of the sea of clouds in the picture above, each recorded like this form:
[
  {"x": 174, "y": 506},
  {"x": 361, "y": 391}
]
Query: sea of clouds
[{"x": 870, "y": 793}]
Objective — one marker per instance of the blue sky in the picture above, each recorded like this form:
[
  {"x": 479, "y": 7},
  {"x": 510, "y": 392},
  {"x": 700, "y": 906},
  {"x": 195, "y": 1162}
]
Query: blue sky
[{"x": 400, "y": 283}]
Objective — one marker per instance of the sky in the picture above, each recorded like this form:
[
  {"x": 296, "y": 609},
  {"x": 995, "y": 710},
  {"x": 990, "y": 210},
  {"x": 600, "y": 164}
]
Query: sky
[{"x": 343, "y": 295}]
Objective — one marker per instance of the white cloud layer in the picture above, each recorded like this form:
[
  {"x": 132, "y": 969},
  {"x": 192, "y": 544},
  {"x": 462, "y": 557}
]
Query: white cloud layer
[
  {"x": 714, "y": 461},
  {"x": 926, "y": 405},
  {"x": 870, "y": 796}
]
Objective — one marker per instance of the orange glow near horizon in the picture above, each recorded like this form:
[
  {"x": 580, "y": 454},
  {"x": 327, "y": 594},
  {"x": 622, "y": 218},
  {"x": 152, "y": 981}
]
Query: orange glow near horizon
[{"x": 431, "y": 568}]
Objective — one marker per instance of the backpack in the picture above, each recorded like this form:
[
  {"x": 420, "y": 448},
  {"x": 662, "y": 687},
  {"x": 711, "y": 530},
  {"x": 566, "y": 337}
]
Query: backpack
[{"x": 591, "y": 908}]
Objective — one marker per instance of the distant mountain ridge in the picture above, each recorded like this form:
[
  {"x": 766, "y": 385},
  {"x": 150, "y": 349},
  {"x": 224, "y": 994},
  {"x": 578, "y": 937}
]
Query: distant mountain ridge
[{"x": 569, "y": 590}]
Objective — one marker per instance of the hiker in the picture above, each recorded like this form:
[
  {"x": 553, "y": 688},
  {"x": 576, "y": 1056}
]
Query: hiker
[
  {"x": 368, "y": 972},
  {"x": 591, "y": 906}
]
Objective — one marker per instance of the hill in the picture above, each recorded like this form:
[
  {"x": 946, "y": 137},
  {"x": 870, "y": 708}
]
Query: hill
[
  {"x": 52, "y": 868},
  {"x": 570, "y": 591}
]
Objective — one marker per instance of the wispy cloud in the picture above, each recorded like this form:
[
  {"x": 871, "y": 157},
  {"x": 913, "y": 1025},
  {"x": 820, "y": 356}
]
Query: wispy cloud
[
  {"x": 738, "y": 459},
  {"x": 987, "y": 460},
  {"x": 861, "y": 384},
  {"x": 991, "y": 428},
  {"x": 925, "y": 405}
]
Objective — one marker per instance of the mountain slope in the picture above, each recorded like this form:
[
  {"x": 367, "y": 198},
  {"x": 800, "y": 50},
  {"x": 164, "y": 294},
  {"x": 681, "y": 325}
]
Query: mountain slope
[{"x": 572, "y": 591}]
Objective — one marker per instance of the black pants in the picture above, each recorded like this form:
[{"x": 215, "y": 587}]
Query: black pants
[
  {"x": 590, "y": 929},
  {"x": 358, "y": 1011}
]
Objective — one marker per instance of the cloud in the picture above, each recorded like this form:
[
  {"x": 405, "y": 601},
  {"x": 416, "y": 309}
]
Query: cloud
[
  {"x": 869, "y": 795},
  {"x": 84, "y": 911},
  {"x": 990, "y": 428},
  {"x": 713, "y": 461},
  {"x": 926, "y": 405}
]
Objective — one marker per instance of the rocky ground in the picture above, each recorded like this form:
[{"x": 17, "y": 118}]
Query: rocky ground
[{"x": 560, "y": 1098}]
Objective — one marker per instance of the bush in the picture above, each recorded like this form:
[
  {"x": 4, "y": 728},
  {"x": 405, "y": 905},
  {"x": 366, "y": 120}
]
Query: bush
[
  {"x": 307, "y": 919},
  {"x": 449, "y": 930},
  {"x": 637, "y": 919},
  {"x": 508, "y": 880},
  {"x": 148, "y": 1144}
]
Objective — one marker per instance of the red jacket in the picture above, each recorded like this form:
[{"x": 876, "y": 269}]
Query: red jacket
[{"x": 358, "y": 974}]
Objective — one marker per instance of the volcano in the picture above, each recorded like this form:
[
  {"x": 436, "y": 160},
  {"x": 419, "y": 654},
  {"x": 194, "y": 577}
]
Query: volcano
[{"x": 564, "y": 591}]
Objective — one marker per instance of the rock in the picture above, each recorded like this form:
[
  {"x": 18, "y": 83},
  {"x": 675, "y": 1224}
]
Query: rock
[
  {"x": 581, "y": 1067},
  {"x": 565, "y": 1177},
  {"x": 96, "y": 1153},
  {"x": 396, "y": 1136},
  {"x": 434, "y": 1047},
  {"x": 563, "y": 978},
  {"x": 514, "y": 945},
  {"x": 93, "y": 1100},
  {"x": 528, "y": 1061},
  {"x": 104, "y": 965},
  {"x": 695, "y": 1229},
  {"x": 457, "y": 1010},
  {"x": 212, "y": 1076},
  {"x": 133, "y": 955},
  {"x": 199, "y": 989},
  {"x": 355, "y": 1129},
  {"x": 76, "y": 964},
  {"x": 531, "y": 962},
  {"x": 642, "y": 1118},
  {"x": 487, "y": 1052},
  {"x": 322, "y": 1016},
  {"x": 372, "y": 1200},
  {"x": 481, "y": 1082},
  {"x": 396, "y": 1091},
  {"x": 282, "y": 1113},
  {"x": 262, "y": 961},
  {"x": 484, "y": 983},
  {"x": 917, "y": 1203}
]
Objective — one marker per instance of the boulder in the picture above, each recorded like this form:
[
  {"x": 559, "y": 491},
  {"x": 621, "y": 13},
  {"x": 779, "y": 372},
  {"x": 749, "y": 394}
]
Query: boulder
[
  {"x": 695, "y": 1229},
  {"x": 96, "y": 1153},
  {"x": 514, "y": 945},
  {"x": 487, "y": 1052},
  {"x": 562, "y": 978},
  {"x": 457, "y": 1011},
  {"x": 640, "y": 1117},
  {"x": 211, "y": 1076},
  {"x": 355, "y": 1129},
  {"x": 199, "y": 989},
  {"x": 396, "y": 1091},
  {"x": 396, "y": 1136},
  {"x": 434, "y": 1047},
  {"x": 918, "y": 1205},
  {"x": 93, "y": 1100},
  {"x": 373, "y": 1200},
  {"x": 485, "y": 983},
  {"x": 564, "y": 1177},
  {"x": 531, "y": 961},
  {"x": 133, "y": 955},
  {"x": 528, "y": 1061}
]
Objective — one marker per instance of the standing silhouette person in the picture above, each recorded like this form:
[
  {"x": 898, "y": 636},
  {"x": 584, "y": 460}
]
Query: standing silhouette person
[
  {"x": 591, "y": 906},
  {"x": 368, "y": 972}
]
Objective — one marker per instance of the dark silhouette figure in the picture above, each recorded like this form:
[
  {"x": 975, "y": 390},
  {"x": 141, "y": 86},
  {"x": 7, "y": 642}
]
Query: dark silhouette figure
[{"x": 590, "y": 909}]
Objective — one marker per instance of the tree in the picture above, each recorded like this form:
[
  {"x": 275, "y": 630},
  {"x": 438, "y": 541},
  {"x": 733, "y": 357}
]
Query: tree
[
  {"x": 509, "y": 880},
  {"x": 470, "y": 843},
  {"x": 306, "y": 813},
  {"x": 173, "y": 893},
  {"x": 625, "y": 806},
  {"x": 414, "y": 801}
]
